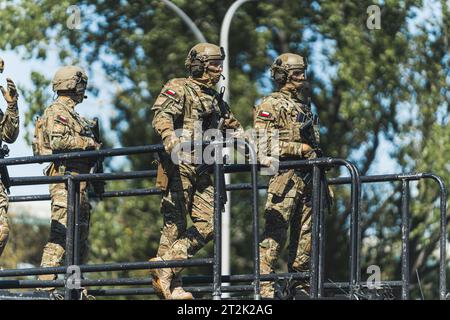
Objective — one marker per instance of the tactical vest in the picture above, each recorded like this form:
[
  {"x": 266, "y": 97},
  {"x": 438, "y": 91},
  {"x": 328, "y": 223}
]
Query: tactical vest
[
  {"x": 290, "y": 119},
  {"x": 41, "y": 141},
  {"x": 198, "y": 106}
]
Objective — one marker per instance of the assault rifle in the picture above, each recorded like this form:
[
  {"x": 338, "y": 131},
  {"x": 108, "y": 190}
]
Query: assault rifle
[
  {"x": 97, "y": 185},
  {"x": 4, "y": 152},
  {"x": 221, "y": 112},
  {"x": 307, "y": 133}
]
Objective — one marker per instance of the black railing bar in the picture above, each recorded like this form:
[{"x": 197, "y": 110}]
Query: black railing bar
[
  {"x": 107, "y": 194},
  {"x": 23, "y": 284},
  {"x": 151, "y": 291},
  {"x": 21, "y": 181},
  {"x": 230, "y": 187},
  {"x": 363, "y": 284},
  {"x": 82, "y": 155},
  {"x": 442, "y": 234},
  {"x": 109, "y": 267}
]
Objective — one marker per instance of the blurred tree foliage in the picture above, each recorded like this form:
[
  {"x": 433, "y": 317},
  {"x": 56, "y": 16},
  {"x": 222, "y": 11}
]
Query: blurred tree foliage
[
  {"x": 369, "y": 86},
  {"x": 25, "y": 243}
]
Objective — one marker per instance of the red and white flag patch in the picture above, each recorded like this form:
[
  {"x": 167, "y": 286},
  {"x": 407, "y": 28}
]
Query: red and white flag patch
[
  {"x": 63, "y": 119},
  {"x": 265, "y": 114},
  {"x": 170, "y": 92}
]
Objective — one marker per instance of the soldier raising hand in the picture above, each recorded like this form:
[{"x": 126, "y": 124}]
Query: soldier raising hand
[{"x": 9, "y": 130}]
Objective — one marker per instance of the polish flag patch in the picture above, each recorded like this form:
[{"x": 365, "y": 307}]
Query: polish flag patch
[
  {"x": 265, "y": 114},
  {"x": 63, "y": 119},
  {"x": 170, "y": 92}
]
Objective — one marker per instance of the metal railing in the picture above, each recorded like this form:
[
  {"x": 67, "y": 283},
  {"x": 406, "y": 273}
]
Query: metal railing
[{"x": 316, "y": 274}]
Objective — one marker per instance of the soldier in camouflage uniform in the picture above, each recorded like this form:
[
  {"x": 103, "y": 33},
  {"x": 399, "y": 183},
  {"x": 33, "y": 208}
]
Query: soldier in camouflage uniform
[
  {"x": 60, "y": 130},
  {"x": 9, "y": 130},
  {"x": 181, "y": 104},
  {"x": 289, "y": 194}
]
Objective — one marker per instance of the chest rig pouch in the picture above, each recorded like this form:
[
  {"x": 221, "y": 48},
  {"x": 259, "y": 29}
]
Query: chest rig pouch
[
  {"x": 207, "y": 112},
  {"x": 289, "y": 126},
  {"x": 279, "y": 183}
]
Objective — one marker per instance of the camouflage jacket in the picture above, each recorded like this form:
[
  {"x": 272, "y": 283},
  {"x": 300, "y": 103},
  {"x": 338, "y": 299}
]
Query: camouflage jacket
[
  {"x": 9, "y": 124},
  {"x": 182, "y": 103},
  {"x": 65, "y": 131},
  {"x": 279, "y": 112}
]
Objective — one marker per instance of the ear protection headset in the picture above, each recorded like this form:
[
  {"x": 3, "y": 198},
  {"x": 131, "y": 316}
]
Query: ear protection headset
[
  {"x": 197, "y": 63},
  {"x": 279, "y": 74},
  {"x": 197, "y": 67}
]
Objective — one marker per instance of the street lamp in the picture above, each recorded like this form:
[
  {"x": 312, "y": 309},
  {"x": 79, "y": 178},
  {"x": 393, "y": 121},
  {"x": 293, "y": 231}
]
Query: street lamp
[{"x": 198, "y": 34}]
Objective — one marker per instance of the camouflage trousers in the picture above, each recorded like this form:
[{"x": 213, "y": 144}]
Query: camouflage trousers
[
  {"x": 187, "y": 194},
  {"x": 288, "y": 206},
  {"x": 4, "y": 225},
  {"x": 54, "y": 250}
]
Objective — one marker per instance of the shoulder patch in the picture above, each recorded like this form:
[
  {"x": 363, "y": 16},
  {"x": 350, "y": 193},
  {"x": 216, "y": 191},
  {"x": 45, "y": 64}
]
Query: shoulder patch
[
  {"x": 170, "y": 92},
  {"x": 62, "y": 118},
  {"x": 265, "y": 114},
  {"x": 174, "y": 89}
]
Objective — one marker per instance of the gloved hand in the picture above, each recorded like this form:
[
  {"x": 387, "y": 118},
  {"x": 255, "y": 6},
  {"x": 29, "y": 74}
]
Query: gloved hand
[
  {"x": 271, "y": 164},
  {"x": 170, "y": 142},
  {"x": 91, "y": 144},
  {"x": 306, "y": 150},
  {"x": 172, "y": 145},
  {"x": 266, "y": 161},
  {"x": 98, "y": 146},
  {"x": 10, "y": 93}
]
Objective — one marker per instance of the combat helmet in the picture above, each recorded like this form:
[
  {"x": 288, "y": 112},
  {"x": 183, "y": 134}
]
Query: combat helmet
[
  {"x": 284, "y": 66},
  {"x": 70, "y": 79},
  {"x": 205, "y": 57}
]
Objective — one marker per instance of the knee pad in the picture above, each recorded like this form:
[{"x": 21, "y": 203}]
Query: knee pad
[{"x": 53, "y": 255}]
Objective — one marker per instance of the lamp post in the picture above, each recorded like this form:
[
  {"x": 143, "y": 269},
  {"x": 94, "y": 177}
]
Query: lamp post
[{"x": 198, "y": 34}]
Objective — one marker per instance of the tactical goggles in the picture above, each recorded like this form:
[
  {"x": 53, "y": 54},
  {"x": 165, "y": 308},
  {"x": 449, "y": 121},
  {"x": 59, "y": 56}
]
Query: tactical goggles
[
  {"x": 215, "y": 65},
  {"x": 298, "y": 74}
]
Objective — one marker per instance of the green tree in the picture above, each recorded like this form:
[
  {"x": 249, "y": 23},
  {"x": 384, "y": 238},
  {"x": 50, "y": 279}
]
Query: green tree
[{"x": 368, "y": 85}]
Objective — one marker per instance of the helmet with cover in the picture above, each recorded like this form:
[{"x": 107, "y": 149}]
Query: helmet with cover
[
  {"x": 289, "y": 71},
  {"x": 205, "y": 62},
  {"x": 70, "y": 81}
]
